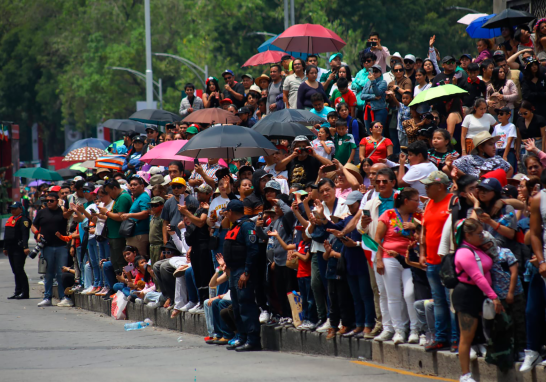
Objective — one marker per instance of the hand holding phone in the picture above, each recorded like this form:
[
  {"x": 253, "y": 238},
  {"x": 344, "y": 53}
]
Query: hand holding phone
[{"x": 478, "y": 211}]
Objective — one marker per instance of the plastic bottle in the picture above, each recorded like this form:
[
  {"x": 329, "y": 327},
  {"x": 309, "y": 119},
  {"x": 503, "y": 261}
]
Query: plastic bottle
[
  {"x": 138, "y": 325},
  {"x": 506, "y": 218}
]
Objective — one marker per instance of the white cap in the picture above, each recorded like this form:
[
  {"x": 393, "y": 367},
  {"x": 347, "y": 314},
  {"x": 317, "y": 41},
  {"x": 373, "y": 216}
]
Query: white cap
[
  {"x": 154, "y": 170},
  {"x": 409, "y": 57}
]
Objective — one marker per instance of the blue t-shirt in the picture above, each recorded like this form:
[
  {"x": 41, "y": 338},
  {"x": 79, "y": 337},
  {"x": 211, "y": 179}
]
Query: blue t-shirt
[
  {"x": 141, "y": 204},
  {"x": 323, "y": 113},
  {"x": 386, "y": 204}
]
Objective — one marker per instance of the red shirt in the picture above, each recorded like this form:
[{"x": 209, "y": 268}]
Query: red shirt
[
  {"x": 380, "y": 153},
  {"x": 434, "y": 218},
  {"x": 349, "y": 98},
  {"x": 304, "y": 267}
]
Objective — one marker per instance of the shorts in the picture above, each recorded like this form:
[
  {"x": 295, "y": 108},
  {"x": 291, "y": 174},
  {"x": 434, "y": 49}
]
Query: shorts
[{"x": 468, "y": 299}]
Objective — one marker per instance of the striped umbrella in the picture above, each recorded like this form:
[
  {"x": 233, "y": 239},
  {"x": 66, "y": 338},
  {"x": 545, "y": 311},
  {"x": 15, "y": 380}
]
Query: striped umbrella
[
  {"x": 84, "y": 153},
  {"x": 112, "y": 162}
]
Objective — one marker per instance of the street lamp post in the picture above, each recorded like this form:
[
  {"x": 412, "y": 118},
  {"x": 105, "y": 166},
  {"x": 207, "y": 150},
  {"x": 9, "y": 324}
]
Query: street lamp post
[
  {"x": 192, "y": 65},
  {"x": 149, "y": 73},
  {"x": 456, "y": 8},
  {"x": 144, "y": 78}
]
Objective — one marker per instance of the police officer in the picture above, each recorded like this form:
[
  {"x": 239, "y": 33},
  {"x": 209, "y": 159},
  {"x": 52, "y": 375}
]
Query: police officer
[
  {"x": 240, "y": 252},
  {"x": 16, "y": 248}
]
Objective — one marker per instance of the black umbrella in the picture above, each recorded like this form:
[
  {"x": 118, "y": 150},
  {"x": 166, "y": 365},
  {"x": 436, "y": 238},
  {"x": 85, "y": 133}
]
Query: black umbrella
[
  {"x": 155, "y": 117},
  {"x": 295, "y": 115},
  {"x": 281, "y": 130},
  {"x": 227, "y": 141},
  {"x": 508, "y": 18},
  {"x": 68, "y": 173},
  {"x": 125, "y": 125}
]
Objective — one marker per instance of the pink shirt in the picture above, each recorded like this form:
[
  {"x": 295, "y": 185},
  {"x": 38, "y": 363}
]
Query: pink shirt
[{"x": 465, "y": 261}]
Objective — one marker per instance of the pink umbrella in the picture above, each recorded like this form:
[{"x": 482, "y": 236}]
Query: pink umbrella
[
  {"x": 309, "y": 38},
  {"x": 165, "y": 153},
  {"x": 267, "y": 57}
]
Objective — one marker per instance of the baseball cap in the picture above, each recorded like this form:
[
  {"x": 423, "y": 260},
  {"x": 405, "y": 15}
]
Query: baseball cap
[
  {"x": 89, "y": 186},
  {"x": 243, "y": 110},
  {"x": 498, "y": 53},
  {"x": 55, "y": 188},
  {"x": 151, "y": 127},
  {"x": 245, "y": 168},
  {"x": 353, "y": 197},
  {"x": 103, "y": 170},
  {"x": 204, "y": 188},
  {"x": 333, "y": 56},
  {"x": 491, "y": 184},
  {"x": 273, "y": 184},
  {"x": 128, "y": 133},
  {"x": 138, "y": 138},
  {"x": 301, "y": 192},
  {"x": 436, "y": 177},
  {"x": 266, "y": 174},
  {"x": 247, "y": 76},
  {"x": 301, "y": 138},
  {"x": 447, "y": 58},
  {"x": 133, "y": 134},
  {"x": 235, "y": 205},
  {"x": 226, "y": 100},
  {"x": 255, "y": 88},
  {"x": 228, "y": 71},
  {"x": 16, "y": 205},
  {"x": 503, "y": 109},
  {"x": 178, "y": 180},
  {"x": 418, "y": 59},
  {"x": 157, "y": 179},
  {"x": 510, "y": 191},
  {"x": 154, "y": 170},
  {"x": 410, "y": 57},
  {"x": 156, "y": 200},
  {"x": 78, "y": 178},
  {"x": 378, "y": 67},
  {"x": 192, "y": 130},
  {"x": 467, "y": 55}
]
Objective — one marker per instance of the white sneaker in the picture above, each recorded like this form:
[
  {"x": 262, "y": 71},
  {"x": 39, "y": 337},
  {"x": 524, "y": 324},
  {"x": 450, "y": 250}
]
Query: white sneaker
[
  {"x": 473, "y": 354},
  {"x": 197, "y": 309},
  {"x": 45, "y": 302},
  {"x": 65, "y": 302},
  {"x": 531, "y": 359},
  {"x": 153, "y": 305},
  {"x": 384, "y": 336},
  {"x": 422, "y": 340},
  {"x": 288, "y": 322},
  {"x": 482, "y": 349},
  {"x": 429, "y": 338},
  {"x": 41, "y": 282},
  {"x": 138, "y": 301},
  {"x": 88, "y": 290},
  {"x": 264, "y": 317},
  {"x": 188, "y": 306},
  {"x": 324, "y": 327},
  {"x": 55, "y": 283},
  {"x": 305, "y": 325},
  {"x": 467, "y": 378},
  {"x": 398, "y": 338},
  {"x": 413, "y": 337}
]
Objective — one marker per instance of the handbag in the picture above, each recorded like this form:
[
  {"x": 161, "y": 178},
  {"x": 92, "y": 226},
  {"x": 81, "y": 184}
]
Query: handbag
[
  {"x": 127, "y": 228},
  {"x": 375, "y": 148}
]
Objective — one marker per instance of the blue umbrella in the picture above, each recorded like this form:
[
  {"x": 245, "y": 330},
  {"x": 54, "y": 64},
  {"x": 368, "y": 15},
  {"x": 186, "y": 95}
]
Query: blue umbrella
[
  {"x": 475, "y": 30},
  {"x": 87, "y": 142},
  {"x": 268, "y": 45}
]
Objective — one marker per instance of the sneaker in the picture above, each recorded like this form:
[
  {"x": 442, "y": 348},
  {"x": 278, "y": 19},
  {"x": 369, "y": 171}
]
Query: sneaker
[
  {"x": 331, "y": 333},
  {"x": 399, "y": 338},
  {"x": 473, "y": 354},
  {"x": 41, "y": 282},
  {"x": 65, "y": 302},
  {"x": 197, "y": 309},
  {"x": 454, "y": 347},
  {"x": 429, "y": 338},
  {"x": 324, "y": 327},
  {"x": 531, "y": 359},
  {"x": 188, "y": 306},
  {"x": 138, "y": 301},
  {"x": 222, "y": 341},
  {"x": 264, "y": 317},
  {"x": 45, "y": 302},
  {"x": 273, "y": 321},
  {"x": 288, "y": 323},
  {"x": 312, "y": 326},
  {"x": 344, "y": 330},
  {"x": 413, "y": 337},
  {"x": 378, "y": 328},
  {"x": 304, "y": 325},
  {"x": 422, "y": 340},
  {"x": 68, "y": 291},
  {"x": 103, "y": 292},
  {"x": 95, "y": 290},
  {"x": 88, "y": 290},
  {"x": 234, "y": 340},
  {"x": 354, "y": 332},
  {"x": 153, "y": 305},
  {"x": 208, "y": 338},
  {"x": 482, "y": 349},
  {"x": 435, "y": 346},
  {"x": 467, "y": 378},
  {"x": 212, "y": 340},
  {"x": 384, "y": 336}
]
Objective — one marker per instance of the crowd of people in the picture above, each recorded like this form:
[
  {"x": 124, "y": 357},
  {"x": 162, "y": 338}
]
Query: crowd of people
[{"x": 427, "y": 231}]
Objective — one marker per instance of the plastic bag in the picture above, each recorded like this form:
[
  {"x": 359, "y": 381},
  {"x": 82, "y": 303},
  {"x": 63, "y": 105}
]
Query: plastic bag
[
  {"x": 488, "y": 309},
  {"x": 119, "y": 306},
  {"x": 294, "y": 298}
]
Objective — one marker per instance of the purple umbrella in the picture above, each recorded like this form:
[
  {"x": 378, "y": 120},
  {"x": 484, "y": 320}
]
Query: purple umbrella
[{"x": 37, "y": 183}]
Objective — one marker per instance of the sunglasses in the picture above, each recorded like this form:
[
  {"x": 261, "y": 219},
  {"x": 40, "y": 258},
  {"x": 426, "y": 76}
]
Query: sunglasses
[
  {"x": 376, "y": 71},
  {"x": 177, "y": 186},
  {"x": 227, "y": 78},
  {"x": 449, "y": 62},
  {"x": 377, "y": 126},
  {"x": 501, "y": 113},
  {"x": 408, "y": 62},
  {"x": 368, "y": 61},
  {"x": 154, "y": 205},
  {"x": 382, "y": 181},
  {"x": 398, "y": 70},
  {"x": 86, "y": 191},
  {"x": 168, "y": 252},
  {"x": 51, "y": 200}
]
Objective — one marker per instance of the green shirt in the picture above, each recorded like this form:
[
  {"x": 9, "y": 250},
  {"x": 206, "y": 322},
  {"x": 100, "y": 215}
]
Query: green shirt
[
  {"x": 344, "y": 145},
  {"x": 156, "y": 230},
  {"x": 323, "y": 79},
  {"x": 121, "y": 204}
]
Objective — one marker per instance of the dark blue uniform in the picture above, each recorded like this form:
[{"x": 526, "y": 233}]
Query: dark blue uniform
[
  {"x": 240, "y": 253},
  {"x": 15, "y": 242}
]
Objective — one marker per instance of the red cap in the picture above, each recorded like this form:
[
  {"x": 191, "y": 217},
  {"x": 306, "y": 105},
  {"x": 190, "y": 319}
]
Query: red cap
[
  {"x": 498, "y": 174},
  {"x": 226, "y": 100},
  {"x": 55, "y": 189}
]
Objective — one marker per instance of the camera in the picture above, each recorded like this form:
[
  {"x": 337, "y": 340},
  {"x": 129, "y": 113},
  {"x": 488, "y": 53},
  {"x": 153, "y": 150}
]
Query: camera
[
  {"x": 38, "y": 248},
  {"x": 303, "y": 150}
]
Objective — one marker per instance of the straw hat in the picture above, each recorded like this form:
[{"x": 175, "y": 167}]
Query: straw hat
[
  {"x": 354, "y": 170},
  {"x": 480, "y": 138}
]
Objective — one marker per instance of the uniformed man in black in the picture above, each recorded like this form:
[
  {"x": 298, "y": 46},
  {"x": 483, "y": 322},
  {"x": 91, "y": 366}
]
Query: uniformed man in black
[
  {"x": 16, "y": 248},
  {"x": 240, "y": 252}
]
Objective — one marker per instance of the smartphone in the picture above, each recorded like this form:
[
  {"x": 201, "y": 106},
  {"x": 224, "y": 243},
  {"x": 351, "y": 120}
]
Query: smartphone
[
  {"x": 128, "y": 268},
  {"x": 478, "y": 211},
  {"x": 93, "y": 211},
  {"x": 369, "y": 44},
  {"x": 330, "y": 168},
  {"x": 181, "y": 200},
  {"x": 367, "y": 213}
]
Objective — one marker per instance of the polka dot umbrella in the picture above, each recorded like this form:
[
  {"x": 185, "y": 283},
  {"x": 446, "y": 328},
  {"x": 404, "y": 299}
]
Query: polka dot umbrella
[{"x": 84, "y": 154}]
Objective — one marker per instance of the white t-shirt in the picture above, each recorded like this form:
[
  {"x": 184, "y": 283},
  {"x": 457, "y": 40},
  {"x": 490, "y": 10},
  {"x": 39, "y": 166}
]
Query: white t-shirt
[
  {"x": 271, "y": 170},
  {"x": 216, "y": 205},
  {"x": 416, "y": 90},
  {"x": 319, "y": 149},
  {"x": 418, "y": 172},
  {"x": 477, "y": 125},
  {"x": 99, "y": 226},
  {"x": 505, "y": 132}
]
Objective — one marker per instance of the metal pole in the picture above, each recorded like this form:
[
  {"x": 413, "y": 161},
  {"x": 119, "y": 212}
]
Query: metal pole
[
  {"x": 192, "y": 66},
  {"x": 160, "y": 86},
  {"x": 286, "y": 25},
  {"x": 149, "y": 73},
  {"x": 206, "y": 74},
  {"x": 292, "y": 13}
]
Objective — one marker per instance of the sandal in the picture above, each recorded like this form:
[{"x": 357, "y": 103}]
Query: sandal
[
  {"x": 175, "y": 313},
  {"x": 167, "y": 303}
]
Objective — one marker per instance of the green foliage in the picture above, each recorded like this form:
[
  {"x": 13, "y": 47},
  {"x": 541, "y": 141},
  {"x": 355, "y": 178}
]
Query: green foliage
[{"x": 54, "y": 54}]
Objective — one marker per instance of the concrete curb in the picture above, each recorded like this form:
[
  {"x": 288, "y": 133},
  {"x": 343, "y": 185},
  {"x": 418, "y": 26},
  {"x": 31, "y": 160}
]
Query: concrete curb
[{"x": 406, "y": 357}]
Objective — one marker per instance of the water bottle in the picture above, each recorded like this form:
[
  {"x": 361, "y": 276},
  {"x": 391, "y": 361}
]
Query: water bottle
[
  {"x": 138, "y": 325},
  {"x": 505, "y": 220}
]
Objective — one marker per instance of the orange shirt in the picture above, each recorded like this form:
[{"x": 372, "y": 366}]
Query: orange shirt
[{"x": 434, "y": 218}]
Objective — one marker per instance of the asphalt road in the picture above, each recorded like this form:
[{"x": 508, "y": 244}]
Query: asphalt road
[{"x": 52, "y": 344}]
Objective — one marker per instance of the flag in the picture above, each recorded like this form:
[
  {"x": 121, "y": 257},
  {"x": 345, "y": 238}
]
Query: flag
[{"x": 369, "y": 245}]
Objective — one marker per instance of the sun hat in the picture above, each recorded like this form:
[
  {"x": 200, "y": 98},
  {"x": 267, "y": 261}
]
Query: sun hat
[{"x": 480, "y": 138}]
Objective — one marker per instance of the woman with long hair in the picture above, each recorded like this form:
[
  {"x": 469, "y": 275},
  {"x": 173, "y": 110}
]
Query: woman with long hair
[
  {"x": 476, "y": 122},
  {"x": 540, "y": 35},
  {"x": 309, "y": 87},
  {"x": 533, "y": 86},
  {"x": 530, "y": 125},
  {"x": 486, "y": 70},
  {"x": 422, "y": 81},
  {"x": 430, "y": 70},
  {"x": 212, "y": 95},
  {"x": 344, "y": 72},
  {"x": 501, "y": 92},
  {"x": 365, "y": 167}
]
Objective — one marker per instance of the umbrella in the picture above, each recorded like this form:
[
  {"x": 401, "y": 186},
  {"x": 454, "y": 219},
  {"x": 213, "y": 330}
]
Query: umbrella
[
  {"x": 295, "y": 115},
  {"x": 267, "y": 57},
  {"x": 437, "y": 94},
  {"x": 309, "y": 38},
  {"x": 509, "y": 18},
  {"x": 38, "y": 173},
  {"x": 88, "y": 164},
  {"x": 37, "y": 183},
  {"x": 87, "y": 142},
  {"x": 211, "y": 116},
  {"x": 125, "y": 125},
  {"x": 68, "y": 173},
  {"x": 83, "y": 154},
  {"x": 164, "y": 153},
  {"x": 475, "y": 29},
  {"x": 228, "y": 141},
  {"x": 466, "y": 20},
  {"x": 78, "y": 166},
  {"x": 281, "y": 130},
  {"x": 155, "y": 117},
  {"x": 268, "y": 45},
  {"x": 112, "y": 162}
]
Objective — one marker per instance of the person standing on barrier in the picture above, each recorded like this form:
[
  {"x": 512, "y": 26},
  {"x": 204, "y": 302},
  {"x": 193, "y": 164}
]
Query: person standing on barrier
[{"x": 16, "y": 248}]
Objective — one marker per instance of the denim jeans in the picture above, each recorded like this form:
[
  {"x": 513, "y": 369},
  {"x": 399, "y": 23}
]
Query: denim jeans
[
  {"x": 511, "y": 158},
  {"x": 122, "y": 287},
  {"x": 425, "y": 315},
  {"x": 87, "y": 276},
  {"x": 104, "y": 249},
  {"x": 109, "y": 274},
  {"x": 444, "y": 317},
  {"x": 309, "y": 308},
  {"x": 193, "y": 296},
  {"x": 247, "y": 314},
  {"x": 94, "y": 261},
  {"x": 536, "y": 303},
  {"x": 380, "y": 116},
  {"x": 209, "y": 318},
  {"x": 56, "y": 258},
  {"x": 220, "y": 327},
  {"x": 319, "y": 285},
  {"x": 221, "y": 234},
  {"x": 363, "y": 300}
]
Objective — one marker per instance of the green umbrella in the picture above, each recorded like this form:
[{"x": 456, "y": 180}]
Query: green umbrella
[
  {"x": 38, "y": 173},
  {"x": 437, "y": 94},
  {"x": 78, "y": 167}
]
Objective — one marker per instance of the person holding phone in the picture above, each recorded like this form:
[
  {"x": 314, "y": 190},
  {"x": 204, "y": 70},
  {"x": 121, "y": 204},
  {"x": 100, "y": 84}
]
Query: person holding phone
[{"x": 381, "y": 52}]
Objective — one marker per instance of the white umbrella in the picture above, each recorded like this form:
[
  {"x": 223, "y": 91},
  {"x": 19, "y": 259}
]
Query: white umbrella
[{"x": 466, "y": 20}]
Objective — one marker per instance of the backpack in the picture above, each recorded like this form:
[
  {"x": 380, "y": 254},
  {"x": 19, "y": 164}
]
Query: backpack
[{"x": 448, "y": 273}]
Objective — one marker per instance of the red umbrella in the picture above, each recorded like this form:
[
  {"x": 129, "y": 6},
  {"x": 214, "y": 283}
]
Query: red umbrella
[
  {"x": 267, "y": 57},
  {"x": 309, "y": 38}
]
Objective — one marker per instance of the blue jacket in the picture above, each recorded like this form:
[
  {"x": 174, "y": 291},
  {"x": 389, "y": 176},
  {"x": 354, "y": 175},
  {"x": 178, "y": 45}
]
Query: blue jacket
[
  {"x": 372, "y": 89},
  {"x": 354, "y": 129}
]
